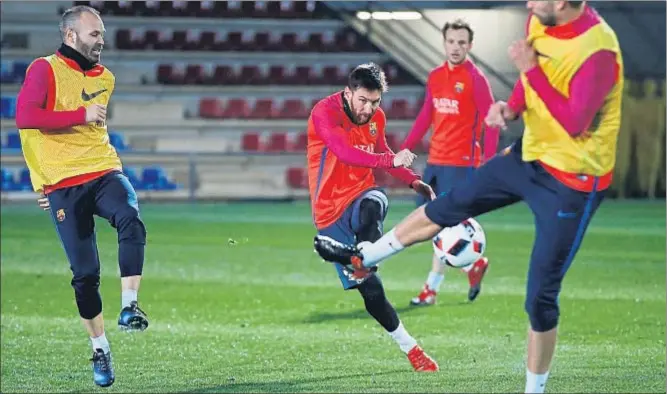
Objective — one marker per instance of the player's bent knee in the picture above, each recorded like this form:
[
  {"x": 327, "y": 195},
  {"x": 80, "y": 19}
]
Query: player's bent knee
[
  {"x": 130, "y": 227},
  {"x": 371, "y": 214},
  {"x": 86, "y": 292},
  {"x": 543, "y": 312},
  {"x": 372, "y": 289}
]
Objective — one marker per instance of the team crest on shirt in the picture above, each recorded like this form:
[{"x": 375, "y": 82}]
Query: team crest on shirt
[
  {"x": 373, "y": 128},
  {"x": 60, "y": 215},
  {"x": 459, "y": 86}
]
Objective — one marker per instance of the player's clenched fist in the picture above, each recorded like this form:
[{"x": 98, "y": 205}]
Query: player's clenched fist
[
  {"x": 404, "y": 158},
  {"x": 96, "y": 113},
  {"x": 498, "y": 113}
]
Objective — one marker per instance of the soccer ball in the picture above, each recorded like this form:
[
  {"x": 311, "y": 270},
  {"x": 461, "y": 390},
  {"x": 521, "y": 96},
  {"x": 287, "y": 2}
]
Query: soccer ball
[{"x": 461, "y": 245}]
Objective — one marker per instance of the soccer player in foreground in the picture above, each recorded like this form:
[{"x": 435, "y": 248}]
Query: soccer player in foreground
[
  {"x": 569, "y": 94},
  {"x": 458, "y": 97},
  {"x": 61, "y": 116},
  {"x": 346, "y": 141}
]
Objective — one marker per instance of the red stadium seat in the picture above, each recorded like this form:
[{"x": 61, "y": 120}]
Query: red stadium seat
[
  {"x": 297, "y": 178},
  {"x": 223, "y": 75},
  {"x": 123, "y": 39},
  {"x": 277, "y": 142},
  {"x": 210, "y": 108},
  {"x": 164, "y": 73},
  {"x": 250, "y": 142},
  {"x": 194, "y": 75},
  {"x": 300, "y": 143},
  {"x": 399, "y": 109},
  {"x": 264, "y": 109},
  {"x": 293, "y": 109},
  {"x": 251, "y": 75},
  {"x": 331, "y": 76},
  {"x": 276, "y": 75},
  {"x": 392, "y": 141},
  {"x": 237, "y": 109}
]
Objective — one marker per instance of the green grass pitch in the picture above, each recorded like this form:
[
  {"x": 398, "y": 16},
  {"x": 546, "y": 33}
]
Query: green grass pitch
[{"x": 264, "y": 313}]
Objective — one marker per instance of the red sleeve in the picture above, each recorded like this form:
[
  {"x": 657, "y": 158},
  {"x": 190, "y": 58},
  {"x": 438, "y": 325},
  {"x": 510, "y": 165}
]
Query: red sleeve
[
  {"x": 403, "y": 174},
  {"x": 588, "y": 89},
  {"x": 35, "y": 102},
  {"x": 483, "y": 98},
  {"x": 517, "y": 100},
  {"x": 422, "y": 123},
  {"x": 334, "y": 138}
]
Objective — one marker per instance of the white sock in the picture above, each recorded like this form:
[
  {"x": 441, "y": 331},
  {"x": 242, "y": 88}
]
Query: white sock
[
  {"x": 381, "y": 249},
  {"x": 434, "y": 281},
  {"x": 535, "y": 383},
  {"x": 127, "y": 296},
  {"x": 100, "y": 343},
  {"x": 404, "y": 340}
]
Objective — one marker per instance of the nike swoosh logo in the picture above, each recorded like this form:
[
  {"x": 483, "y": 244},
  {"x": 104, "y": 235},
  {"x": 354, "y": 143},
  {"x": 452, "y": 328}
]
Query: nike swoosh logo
[
  {"x": 88, "y": 97},
  {"x": 566, "y": 215}
]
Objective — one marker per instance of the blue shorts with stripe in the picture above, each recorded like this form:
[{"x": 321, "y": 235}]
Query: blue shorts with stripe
[
  {"x": 442, "y": 178},
  {"x": 561, "y": 214},
  {"x": 346, "y": 230}
]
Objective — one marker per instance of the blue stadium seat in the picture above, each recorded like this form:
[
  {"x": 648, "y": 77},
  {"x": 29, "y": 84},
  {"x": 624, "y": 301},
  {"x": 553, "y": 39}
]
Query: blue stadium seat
[
  {"x": 154, "y": 178},
  {"x": 118, "y": 141},
  {"x": 7, "y": 107},
  {"x": 6, "y": 72},
  {"x": 13, "y": 140},
  {"x": 18, "y": 71},
  {"x": 24, "y": 180},
  {"x": 131, "y": 174},
  {"x": 7, "y": 184}
]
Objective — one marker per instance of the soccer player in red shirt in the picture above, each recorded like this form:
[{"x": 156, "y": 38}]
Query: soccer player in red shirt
[
  {"x": 458, "y": 97},
  {"x": 346, "y": 141}
]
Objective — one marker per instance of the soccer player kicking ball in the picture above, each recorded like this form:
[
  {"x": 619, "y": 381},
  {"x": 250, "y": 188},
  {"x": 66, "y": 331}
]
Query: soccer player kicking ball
[
  {"x": 569, "y": 94},
  {"x": 61, "y": 116},
  {"x": 458, "y": 97},
  {"x": 346, "y": 140}
]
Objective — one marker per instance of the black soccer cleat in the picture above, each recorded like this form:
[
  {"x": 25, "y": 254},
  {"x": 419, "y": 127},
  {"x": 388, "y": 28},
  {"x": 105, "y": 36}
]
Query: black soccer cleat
[
  {"x": 103, "y": 374},
  {"x": 132, "y": 318},
  {"x": 333, "y": 251}
]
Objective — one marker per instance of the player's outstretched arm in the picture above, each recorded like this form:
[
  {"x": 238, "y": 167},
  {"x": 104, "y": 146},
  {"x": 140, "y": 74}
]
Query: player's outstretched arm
[{"x": 32, "y": 110}]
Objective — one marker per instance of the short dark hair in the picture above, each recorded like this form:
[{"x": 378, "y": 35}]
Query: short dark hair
[
  {"x": 575, "y": 4},
  {"x": 368, "y": 76},
  {"x": 71, "y": 16},
  {"x": 457, "y": 24}
]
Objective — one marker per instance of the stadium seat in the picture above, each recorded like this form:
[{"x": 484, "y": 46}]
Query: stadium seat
[
  {"x": 7, "y": 107},
  {"x": 223, "y": 75},
  {"x": 210, "y": 108},
  {"x": 194, "y": 75},
  {"x": 251, "y": 75},
  {"x": 117, "y": 141},
  {"x": 154, "y": 178},
  {"x": 297, "y": 178},
  {"x": 393, "y": 141},
  {"x": 300, "y": 143},
  {"x": 13, "y": 140},
  {"x": 264, "y": 109},
  {"x": 131, "y": 174},
  {"x": 277, "y": 143},
  {"x": 250, "y": 142},
  {"x": 236, "y": 108},
  {"x": 24, "y": 182},
  {"x": 399, "y": 109},
  {"x": 293, "y": 109},
  {"x": 7, "y": 184}
]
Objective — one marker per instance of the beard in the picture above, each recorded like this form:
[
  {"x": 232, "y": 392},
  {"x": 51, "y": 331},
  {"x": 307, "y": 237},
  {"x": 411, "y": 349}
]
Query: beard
[
  {"x": 87, "y": 51},
  {"x": 547, "y": 20}
]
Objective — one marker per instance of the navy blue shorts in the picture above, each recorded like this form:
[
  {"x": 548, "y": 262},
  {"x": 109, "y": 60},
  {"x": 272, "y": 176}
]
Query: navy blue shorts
[
  {"x": 73, "y": 210},
  {"x": 442, "y": 178},
  {"x": 346, "y": 230},
  {"x": 561, "y": 214}
]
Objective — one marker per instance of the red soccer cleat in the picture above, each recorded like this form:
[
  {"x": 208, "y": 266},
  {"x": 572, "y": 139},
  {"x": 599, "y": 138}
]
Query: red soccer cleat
[
  {"x": 475, "y": 276},
  {"x": 425, "y": 298},
  {"x": 421, "y": 361}
]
